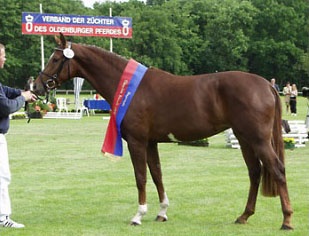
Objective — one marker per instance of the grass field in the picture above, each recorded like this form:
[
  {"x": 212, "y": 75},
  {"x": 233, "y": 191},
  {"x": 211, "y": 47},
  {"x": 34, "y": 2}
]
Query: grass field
[{"x": 62, "y": 185}]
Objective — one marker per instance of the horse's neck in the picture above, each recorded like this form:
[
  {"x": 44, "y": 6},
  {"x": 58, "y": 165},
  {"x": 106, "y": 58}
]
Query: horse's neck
[{"x": 102, "y": 69}]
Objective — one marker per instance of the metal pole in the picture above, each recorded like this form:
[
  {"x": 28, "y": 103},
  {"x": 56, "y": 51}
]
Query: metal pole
[
  {"x": 42, "y": 45},
  {"x": 110, "y": 39},
  {"x": 307, "y": 118}
]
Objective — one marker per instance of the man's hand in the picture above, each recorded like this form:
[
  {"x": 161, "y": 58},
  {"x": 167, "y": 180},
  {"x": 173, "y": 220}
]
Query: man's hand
[{"x": 29, "y": 97}]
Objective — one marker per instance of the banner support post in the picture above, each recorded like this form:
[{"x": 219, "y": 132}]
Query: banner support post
[
  {"x": 42, "y": 44},
  {"x": 110, "y": 39}
]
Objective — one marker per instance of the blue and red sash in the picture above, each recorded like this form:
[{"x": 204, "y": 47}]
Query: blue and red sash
[{"x": 130, "y": 79}]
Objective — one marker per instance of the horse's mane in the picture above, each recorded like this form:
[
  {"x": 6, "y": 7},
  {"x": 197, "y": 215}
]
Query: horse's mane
[{"x": 111, "y": 55}]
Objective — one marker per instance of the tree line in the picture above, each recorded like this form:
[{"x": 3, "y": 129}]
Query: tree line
[{"x": 265, "y": 37}]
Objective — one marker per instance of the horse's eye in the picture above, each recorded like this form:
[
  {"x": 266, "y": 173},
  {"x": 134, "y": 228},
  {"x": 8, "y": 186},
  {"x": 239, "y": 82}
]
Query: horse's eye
[{"x": 55, "y": 60}]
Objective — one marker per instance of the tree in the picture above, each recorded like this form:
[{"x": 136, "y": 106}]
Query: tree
[
  {"x": 225, "y": 28},
  {"x": 278, "y": 43},
  {"x": 23, "y": 51},
  {"x": 266, "y": 37}
]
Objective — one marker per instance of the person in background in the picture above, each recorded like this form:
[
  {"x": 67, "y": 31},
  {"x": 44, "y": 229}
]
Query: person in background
[
  {"x": 29, "y": 84},
  {"x": 273, "y": 83},
  {"x": 96, "y": 96},
  {"x": 29, "y": 87},
  {"x": 293, "y": 100},
  {"x": 11, "y": 100},
  {"x": 287, "y": 93}
]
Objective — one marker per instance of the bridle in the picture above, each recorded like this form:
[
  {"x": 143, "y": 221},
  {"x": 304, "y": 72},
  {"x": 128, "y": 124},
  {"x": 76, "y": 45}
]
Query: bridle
[{"x": 52, "y": 82}]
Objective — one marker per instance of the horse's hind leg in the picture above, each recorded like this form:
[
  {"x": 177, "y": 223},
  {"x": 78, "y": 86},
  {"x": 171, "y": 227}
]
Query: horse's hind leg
[
  {"x": 254, "y": 168},
  {"x": 274, "y": 175},
  {"x": 154, "y": 165},
  {"x": 274, "y": 180},
  {"x": 286, "y": 207}
]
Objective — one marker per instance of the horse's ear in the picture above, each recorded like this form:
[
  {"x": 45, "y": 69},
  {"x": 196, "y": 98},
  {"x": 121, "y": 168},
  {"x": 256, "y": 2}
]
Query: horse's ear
[
  {"x": 57, "y": 40},
  {"x": 61, "y": 41}
]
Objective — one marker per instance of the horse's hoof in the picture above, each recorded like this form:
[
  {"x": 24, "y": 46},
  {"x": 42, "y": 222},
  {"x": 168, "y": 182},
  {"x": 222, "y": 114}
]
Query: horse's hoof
[
  {"x": 134, "y": 223},
  {"x": 161, "y": 219},
  {"x": 240, "y": 221},
  {"x": 286, "y": 227}
]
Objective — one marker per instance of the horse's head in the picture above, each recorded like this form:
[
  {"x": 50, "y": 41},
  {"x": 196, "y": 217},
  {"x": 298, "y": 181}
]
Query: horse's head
[{"x": 58, "y": 68}]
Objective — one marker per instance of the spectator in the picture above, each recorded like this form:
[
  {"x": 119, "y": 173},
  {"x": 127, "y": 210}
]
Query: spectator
[
  {"x": 293, "y": 100},
  {"x": 287, "y": 94},
  {"x": 273, "y": 83}
]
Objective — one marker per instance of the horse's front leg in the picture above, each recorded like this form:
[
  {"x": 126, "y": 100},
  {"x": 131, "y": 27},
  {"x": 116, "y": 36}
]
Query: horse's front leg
[
  {"x": 154, "y": 165},
  {"x": 138, "y": 157}
]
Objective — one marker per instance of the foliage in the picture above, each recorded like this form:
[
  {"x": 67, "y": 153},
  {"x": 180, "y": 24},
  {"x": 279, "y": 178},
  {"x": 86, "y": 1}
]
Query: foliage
[
  {"x": 18, "y": 116},
  {"x": 279, "y": 40},
  {"x": 199, "y": 143},
  {"x": 38, "y": 106},
  {"x": 266, "y": 37}
]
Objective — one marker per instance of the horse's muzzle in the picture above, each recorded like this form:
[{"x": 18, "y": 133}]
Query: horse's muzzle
[{"x": 38, "y": 88}]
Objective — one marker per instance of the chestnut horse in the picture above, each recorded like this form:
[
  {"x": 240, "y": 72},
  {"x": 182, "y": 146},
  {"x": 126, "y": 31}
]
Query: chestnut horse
[{"x": 167, "y": 108}]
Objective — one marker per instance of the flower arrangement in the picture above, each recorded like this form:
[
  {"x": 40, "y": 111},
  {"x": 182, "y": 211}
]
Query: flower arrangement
[
  {"x": 289, "y": 143},
  {"x": 288, "y": 140},
  {"x": 38, "y": 109}
]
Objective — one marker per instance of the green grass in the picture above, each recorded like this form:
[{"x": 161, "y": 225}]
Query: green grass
[{"x": 62, "y": 185}]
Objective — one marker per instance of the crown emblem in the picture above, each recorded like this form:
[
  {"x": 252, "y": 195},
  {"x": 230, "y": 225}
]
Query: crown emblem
[{"x": 29, "y": 18}]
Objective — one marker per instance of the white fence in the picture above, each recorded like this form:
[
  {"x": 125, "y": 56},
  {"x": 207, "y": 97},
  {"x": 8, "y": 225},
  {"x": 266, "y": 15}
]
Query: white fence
[{"x": 299, "y": 132}]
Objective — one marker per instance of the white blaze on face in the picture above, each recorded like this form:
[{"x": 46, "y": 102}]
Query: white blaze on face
[{"x": 172, "y": 137}]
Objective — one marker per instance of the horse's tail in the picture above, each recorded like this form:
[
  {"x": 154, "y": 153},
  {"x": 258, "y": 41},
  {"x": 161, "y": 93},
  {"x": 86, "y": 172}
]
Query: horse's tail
[{"x": 269, "y": 186}]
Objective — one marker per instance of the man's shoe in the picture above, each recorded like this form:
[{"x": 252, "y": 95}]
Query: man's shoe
[{"x": 8, "y": 223}]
